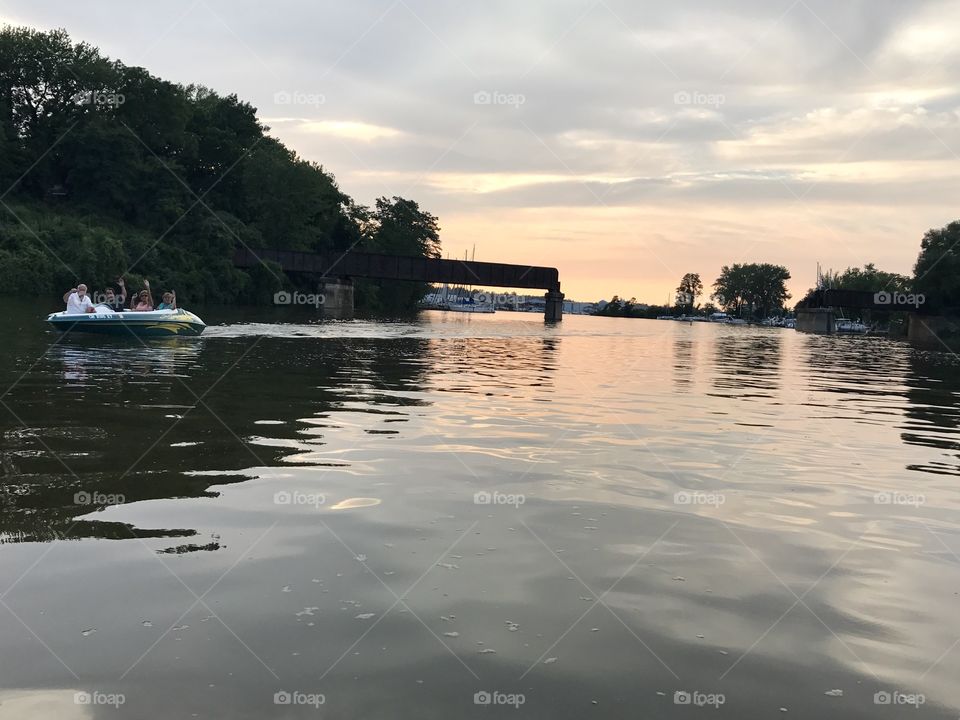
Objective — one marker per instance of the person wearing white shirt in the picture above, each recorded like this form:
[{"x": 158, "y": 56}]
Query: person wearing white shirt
[{"x": 78, "y": 301}]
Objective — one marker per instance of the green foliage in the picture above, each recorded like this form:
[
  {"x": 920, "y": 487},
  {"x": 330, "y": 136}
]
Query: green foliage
[
  {"x": 757, "y": 289},
  {"x": 938, "y": 266},
  {"x": 618, "y": 307},
  {"x": 690, "y": 288},
  {"x": 867, "y": 279},
  {"x": 400, "y": 227},
  {"x": 123, "y": 172}
]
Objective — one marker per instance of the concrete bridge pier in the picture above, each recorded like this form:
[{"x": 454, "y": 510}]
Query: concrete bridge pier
[
  {"x": 553, "y": 310},
  {"x": 816, "y": 320},
  {"x": 337, "y": 296}
]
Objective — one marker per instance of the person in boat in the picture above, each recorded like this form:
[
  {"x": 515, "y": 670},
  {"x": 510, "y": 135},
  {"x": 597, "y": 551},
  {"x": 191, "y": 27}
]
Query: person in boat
[
  {"x": 78, "y": 301},
  {"x": 145, "y": 299},
  {"x": 116, "y": 300},
  {"x": 169, "y": 301}
]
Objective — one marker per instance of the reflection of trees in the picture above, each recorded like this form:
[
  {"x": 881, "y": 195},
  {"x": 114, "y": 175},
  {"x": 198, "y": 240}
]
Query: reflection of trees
[
  {"x": 124, "y": 419},
  {"x": 875, "y": 376},
  {"x": 932, "y": 416},
  {"x": 851, "y": 365},
  {"x": 683, "y": 363},
  {"x": 748, "y": 363}
]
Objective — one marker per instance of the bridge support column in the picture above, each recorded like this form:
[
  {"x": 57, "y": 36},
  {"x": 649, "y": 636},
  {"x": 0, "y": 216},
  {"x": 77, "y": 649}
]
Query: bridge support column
[
  {"x": 337, "y": 297},
  {"x": 816, "y": 320},
  {"x": 553, "y": 311}
]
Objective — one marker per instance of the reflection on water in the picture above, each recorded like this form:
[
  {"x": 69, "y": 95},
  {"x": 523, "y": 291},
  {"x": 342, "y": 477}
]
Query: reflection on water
[
  {"x": 596, "y": 515},
  {"x": 933, "y": 414},
  {"x": 747, "y": 365},
  {"x": 684, "y": 363}
]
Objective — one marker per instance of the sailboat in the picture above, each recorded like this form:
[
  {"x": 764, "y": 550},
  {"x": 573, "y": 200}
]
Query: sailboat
[{"x": 457, "y": 299}]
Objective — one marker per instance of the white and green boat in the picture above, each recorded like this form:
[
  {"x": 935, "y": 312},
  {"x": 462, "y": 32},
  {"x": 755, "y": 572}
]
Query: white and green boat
[{"x": 155, "y": 323}]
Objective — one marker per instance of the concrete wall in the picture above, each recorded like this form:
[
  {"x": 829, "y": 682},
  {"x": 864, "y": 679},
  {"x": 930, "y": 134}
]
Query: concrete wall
[{"x": 816, "y": 320}]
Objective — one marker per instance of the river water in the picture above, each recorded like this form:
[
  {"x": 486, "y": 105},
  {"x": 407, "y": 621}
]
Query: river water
[{"x": 475, "y": 516}]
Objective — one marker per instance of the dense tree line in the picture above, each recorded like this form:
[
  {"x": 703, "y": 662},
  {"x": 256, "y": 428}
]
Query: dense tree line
[
  {"x": 755, "y": 291},
  {"x": 868, "y": 278},
  {"x": 112, "y": 170},
  {"x": 750, "y": 291}
]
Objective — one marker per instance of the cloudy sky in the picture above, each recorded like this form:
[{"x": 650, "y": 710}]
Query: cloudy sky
[{"x": 626, "y": 142}]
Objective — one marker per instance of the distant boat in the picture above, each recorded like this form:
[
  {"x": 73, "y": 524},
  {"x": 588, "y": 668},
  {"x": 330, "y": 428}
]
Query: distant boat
[
  {"x": 469, "y": 308},
  {"x": 851, "y": 327},
  {"x": 457, "y": 299},
  {"x": 780, "y": 322}
]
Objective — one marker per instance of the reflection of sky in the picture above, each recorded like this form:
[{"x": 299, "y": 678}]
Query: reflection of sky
[{"x": 591, "y": 428}]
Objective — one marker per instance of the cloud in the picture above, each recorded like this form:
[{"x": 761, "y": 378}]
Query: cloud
[{"x": 347, "y": 129}]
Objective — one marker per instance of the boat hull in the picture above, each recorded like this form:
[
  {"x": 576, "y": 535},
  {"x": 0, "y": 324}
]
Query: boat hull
[{"x": 158, "y": 323}]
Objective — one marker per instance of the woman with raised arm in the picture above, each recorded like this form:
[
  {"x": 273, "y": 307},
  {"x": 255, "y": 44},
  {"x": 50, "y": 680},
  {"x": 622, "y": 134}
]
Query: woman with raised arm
[{"x": 145, "y": 301}]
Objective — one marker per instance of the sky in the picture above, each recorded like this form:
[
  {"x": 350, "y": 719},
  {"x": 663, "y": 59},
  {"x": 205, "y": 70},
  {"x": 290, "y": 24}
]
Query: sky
[{"x": 625, "y": 142}]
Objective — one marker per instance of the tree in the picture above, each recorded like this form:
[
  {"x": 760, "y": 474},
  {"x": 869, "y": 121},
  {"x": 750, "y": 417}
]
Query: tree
[
  {"x": 400, "y": 227},
  {"x": 125, "y": 172},
  {"x": 690, "y": 288},
  {"x": 867, "y": 279},
  {"x": 758, "y": 289},
  {"x": 404, "y": 229},
  {"x": 937, "y": 271}
]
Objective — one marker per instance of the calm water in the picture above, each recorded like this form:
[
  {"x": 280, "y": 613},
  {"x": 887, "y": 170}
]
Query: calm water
[{"x": 758, "y": 516}]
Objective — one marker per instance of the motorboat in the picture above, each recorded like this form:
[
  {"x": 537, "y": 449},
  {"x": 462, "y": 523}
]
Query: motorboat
[
  {"x": 469, "y": 308},
  {"x": 105, "y": 321},
  {"x": 851, "y": 327}
]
